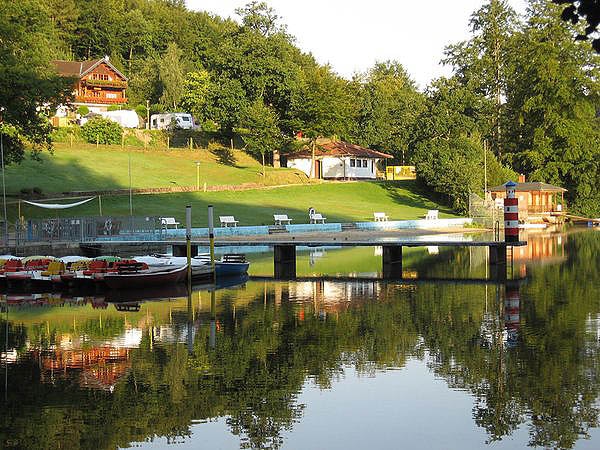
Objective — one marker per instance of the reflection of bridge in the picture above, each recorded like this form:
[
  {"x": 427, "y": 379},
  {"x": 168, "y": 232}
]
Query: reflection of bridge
[
  {"x": 404, "y": 280},
  {"x": 284, "y": 251}
]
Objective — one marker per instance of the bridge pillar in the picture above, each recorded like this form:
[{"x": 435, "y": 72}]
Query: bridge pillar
[
  {"x": 392, "y": 261},
  {"x": 181, "y": 250},
  {"x": 497, "y": 261},
  {"x": 284, "y": 258}
]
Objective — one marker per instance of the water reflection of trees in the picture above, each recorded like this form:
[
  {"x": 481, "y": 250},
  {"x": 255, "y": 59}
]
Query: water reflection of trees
[{"x": 264, "y": 353}]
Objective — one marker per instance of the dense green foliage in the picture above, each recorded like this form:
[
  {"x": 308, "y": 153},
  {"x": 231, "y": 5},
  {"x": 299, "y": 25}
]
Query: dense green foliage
[
  {"x": 29, "y": 89},
  {"x": 533, "y": 93},
  {"x": 521, "y": 84},
  {"x": 99, "y": 130}
]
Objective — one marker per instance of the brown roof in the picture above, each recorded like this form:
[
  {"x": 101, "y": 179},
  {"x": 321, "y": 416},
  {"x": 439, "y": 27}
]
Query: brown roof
[
  {"x": 80, "y": 68},
  {"x": 338, "y": 148},
  {"x": 530, "y": 186}
]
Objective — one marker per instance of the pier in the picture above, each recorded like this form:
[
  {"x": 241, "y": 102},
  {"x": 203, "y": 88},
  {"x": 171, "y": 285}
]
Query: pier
[{"x": 284, "y": 251}]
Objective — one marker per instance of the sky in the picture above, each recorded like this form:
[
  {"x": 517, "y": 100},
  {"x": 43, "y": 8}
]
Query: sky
[{"x": 351, "y": 35}]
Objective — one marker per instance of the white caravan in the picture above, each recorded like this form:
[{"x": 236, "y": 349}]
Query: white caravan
[{"x": 184, "y": 121}]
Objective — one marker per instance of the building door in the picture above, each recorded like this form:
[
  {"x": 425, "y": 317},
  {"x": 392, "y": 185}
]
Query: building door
[{"x": 318, "y": 168}]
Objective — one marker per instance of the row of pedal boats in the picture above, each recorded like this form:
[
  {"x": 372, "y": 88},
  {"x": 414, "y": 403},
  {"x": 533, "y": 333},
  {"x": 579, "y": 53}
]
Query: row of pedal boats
[{"x": 47, "y": 272}]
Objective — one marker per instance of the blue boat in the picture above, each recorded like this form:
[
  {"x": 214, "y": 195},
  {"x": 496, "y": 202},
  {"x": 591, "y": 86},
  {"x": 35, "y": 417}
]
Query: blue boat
[{"x": 228, "y": 265}]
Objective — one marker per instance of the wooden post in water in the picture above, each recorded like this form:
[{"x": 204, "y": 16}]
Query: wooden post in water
[
  {"x": 100, "y": 204},
  {"x": 188, "y": 241},
  {"x": 211, "y": 237},
  {"x": 212, "y": 338}
]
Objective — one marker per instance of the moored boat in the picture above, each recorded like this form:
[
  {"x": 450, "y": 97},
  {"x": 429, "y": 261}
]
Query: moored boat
[
  {"x": 228, "y": 265},
  {"x": 147, "y": 277}
]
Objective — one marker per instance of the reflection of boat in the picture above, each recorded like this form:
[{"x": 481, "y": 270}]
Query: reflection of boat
[
  {"x": 158, "y": 292},
  {"x": 170, "y": 291},
  {"x": 148, "y": 277}
]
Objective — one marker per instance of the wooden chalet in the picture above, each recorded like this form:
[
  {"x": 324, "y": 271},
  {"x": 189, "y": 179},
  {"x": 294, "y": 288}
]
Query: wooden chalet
[
  {"x": 535, "y": 198},
  {"x": 98, "y": 83}
]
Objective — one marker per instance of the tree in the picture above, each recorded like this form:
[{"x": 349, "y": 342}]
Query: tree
[
  {"x": 589, "y": 10},
  {"x": 258, "y": 16},
  {"x": 260, "y": 131},
  {"x": 449, "y": 147},
  {"x": 483, "y": 62},
  {"x": 389, "y": 107},
  {"x": 552, "y": 102},
  {"x": 171, "y": 73},
  {"x": 30, "y": 90},
  {"x": 196, "y": 89}
]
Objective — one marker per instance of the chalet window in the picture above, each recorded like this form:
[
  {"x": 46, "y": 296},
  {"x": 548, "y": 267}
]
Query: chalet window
[
  {"x": 111, "y": 95},
  {"x": 352, "y": 163},
  {"x": 364, "y": 163}
]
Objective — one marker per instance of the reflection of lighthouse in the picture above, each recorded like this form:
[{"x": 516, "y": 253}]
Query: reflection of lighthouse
[{"x": 512, "y": 314}]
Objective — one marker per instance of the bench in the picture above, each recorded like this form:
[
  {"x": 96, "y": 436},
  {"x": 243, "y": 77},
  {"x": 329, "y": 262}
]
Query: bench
[
  {"x": 281, "y": 219},
  {"x": 228, "y": 220},
  {"x": 166, "y": 221},
  {"x": 432, "y": 214},
  {"x": 317, "y": 217},
  {"x": 380, "y": 217}
]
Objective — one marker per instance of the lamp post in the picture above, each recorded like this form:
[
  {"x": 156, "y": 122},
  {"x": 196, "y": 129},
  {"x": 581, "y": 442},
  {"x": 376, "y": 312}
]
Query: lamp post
[
  {"x": 147, "y": 114},
  {"x": 197, "y": 175},
  {"x": 130, "y": 193}
]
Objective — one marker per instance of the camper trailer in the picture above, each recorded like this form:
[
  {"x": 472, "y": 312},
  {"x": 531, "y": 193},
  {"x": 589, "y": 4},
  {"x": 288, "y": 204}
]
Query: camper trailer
[{"x": 165, "y": 121}]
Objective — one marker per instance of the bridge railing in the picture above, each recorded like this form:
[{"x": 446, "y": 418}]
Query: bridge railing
[{"x": 86, "y": 229}]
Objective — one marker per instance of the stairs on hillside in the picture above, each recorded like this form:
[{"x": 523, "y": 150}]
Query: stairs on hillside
[
  {"x": 277, "y": 229},
  {"x": 349, "y": 226}
]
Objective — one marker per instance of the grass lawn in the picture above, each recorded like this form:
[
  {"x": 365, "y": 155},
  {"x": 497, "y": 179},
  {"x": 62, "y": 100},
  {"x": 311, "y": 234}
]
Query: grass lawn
[
  {"x": 339, "y": 202},
  {"x": 85, "y": 168}
]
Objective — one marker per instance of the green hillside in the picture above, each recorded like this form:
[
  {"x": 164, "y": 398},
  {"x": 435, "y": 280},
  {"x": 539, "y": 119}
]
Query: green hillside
[
  {"x": 339, "y": 202},
  {"x": 85, "y": 168}
]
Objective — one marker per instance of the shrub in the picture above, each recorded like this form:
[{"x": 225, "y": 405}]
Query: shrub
[
  {"x": 133, "y": 140},
  {"x": 141, "y": 111},
  {"x": 114, "y": 107},
  {"x": 102, "y": 130},
  {"x": 63, "y": 134},
  {"x": 83, "y": 110}
]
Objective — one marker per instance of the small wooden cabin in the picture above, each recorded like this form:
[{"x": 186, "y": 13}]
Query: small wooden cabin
[
  {"x": 535, "y": 198},
  {"x": 98, "y": 82}
]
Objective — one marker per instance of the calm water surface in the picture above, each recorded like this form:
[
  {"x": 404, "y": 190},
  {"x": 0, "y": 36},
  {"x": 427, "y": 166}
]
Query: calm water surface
[{"x": 445, "y": 361}]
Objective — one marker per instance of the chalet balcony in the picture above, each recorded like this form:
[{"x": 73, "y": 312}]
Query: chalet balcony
[
  {"x": 106, "y": 83},
  {"x": 110, "y": 101},
  {"x": 545, "y": 209}
]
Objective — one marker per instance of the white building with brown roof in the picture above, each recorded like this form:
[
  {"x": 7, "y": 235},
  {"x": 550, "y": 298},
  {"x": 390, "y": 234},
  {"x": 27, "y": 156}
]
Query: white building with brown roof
[{"x": 337, "y": 160}]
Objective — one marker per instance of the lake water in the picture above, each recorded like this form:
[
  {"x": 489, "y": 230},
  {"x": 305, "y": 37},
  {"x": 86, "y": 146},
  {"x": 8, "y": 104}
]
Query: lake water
[{"x": 443, "y": 360}]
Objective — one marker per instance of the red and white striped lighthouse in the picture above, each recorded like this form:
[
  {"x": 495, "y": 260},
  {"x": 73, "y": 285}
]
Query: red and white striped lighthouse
[{"x": 511, "y": 213}]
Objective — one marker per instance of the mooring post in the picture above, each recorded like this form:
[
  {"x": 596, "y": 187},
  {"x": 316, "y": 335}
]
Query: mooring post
[
  {"x": 392, "y": 261},
  {"x": 284, "y": 259}
]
